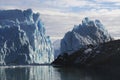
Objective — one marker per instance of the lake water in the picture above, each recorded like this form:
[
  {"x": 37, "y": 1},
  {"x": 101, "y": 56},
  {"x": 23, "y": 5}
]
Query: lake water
[{"x": 56, "y": 73}]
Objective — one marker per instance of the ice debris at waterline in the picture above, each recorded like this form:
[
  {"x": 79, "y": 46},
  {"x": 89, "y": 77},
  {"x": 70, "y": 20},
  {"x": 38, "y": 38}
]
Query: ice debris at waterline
[
  {"x": 89, "y": 32},
  {"x": 23, "y": 39}
]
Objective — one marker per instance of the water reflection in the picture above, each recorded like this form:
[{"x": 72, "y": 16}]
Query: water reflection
[
  {"x": 57, "y": 73},
  {"x": 27, "y": 73}
]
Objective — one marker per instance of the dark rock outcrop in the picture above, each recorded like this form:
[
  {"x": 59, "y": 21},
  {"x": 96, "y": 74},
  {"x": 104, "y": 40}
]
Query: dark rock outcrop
[{"x": 104, "y": 54}]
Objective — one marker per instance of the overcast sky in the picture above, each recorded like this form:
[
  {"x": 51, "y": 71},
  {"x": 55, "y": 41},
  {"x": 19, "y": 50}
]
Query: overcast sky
[{"x": 59, "y": 16}]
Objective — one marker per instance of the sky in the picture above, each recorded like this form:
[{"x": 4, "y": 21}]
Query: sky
[{"x": 60, "y": 16}]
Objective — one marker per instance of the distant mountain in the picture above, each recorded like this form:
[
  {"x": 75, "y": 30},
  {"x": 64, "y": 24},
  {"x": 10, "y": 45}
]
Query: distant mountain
[
  {"x": 23, "y": 39},
  {"x": 89, "y": 32},
  {"x": 56, "y": 45},
  {"x": 104, "y": 54}
]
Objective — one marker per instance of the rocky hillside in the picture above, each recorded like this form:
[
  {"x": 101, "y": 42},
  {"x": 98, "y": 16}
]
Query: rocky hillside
[{"x": 104, "y": 54}]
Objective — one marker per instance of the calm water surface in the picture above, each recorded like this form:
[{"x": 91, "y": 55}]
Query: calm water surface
[{"x": 57, "y": 73}]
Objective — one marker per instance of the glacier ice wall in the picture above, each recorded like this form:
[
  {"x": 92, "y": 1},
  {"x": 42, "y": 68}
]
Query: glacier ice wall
[
  {"x": 23, "y": 39},
  {"x": 89, "y": 32}
]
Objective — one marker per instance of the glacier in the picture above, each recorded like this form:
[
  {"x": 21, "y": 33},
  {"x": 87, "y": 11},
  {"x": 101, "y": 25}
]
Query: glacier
[
  {"x": 89, "y": 32},
  {"x": 23, "y": 39}
]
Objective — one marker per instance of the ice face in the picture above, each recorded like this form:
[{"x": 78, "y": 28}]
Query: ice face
[
  {"x": 23, "y": 39},
  {"x": 89, "y": 32}
]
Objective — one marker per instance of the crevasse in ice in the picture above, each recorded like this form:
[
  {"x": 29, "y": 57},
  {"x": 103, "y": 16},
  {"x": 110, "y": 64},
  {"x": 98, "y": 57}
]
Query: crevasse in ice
[
  {"x": 89, "y": 32},
  {"x": 23, "y": 39}
]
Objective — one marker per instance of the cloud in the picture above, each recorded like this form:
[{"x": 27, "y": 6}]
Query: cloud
[
  {"x": 117, "y": 4},
  {"x": 58, "y": 25},
  {"x": 59, "y": 16},
  {"x": 117, "y": 1},
  {"x": 60, "y": 6}
]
